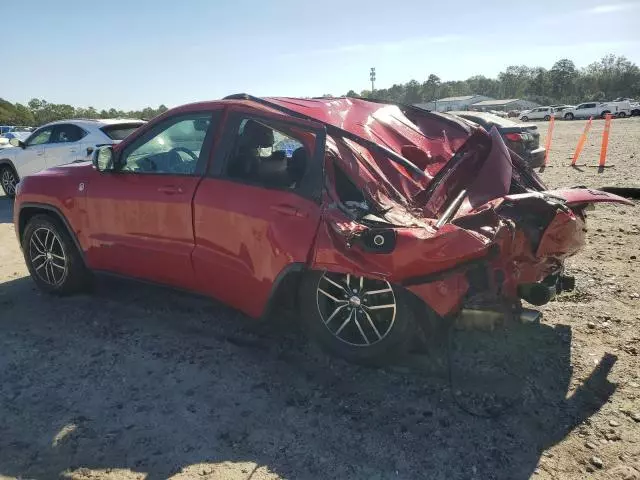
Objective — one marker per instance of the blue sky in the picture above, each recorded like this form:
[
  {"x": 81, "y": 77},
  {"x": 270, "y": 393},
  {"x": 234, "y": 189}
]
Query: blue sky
[{"x": 137, "y": 53}]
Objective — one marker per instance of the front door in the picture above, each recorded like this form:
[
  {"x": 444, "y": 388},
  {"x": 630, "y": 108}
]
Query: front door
[
  {"x": 31, "y": 159},
  {"x": 64, "y": 146},
  {"x": 257, "y": 212},
  {"x": 139, "y": 216}
]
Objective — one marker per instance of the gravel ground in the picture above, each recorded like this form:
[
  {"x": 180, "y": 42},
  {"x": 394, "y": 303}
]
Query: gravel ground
[{"x": 140, "y": 382}]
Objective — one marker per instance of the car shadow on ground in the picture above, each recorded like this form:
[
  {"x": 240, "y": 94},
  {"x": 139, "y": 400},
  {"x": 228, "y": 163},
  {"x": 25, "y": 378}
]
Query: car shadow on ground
[
  {"x": 6, "y": 209},
  {"x": 158, "y": 382}
]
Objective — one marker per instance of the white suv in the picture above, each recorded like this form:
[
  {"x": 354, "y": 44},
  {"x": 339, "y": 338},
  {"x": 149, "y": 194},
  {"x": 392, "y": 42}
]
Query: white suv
[
  {"x": 57, "y": 143},
  {"x": 540, "y": 113}
]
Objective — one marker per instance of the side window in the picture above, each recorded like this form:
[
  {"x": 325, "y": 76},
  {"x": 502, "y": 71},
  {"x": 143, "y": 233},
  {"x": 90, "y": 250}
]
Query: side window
[
  {"x": 270, "y": 156},
  {"x": 40, "y": 137},
  {"x": 67, "y": 133},
  {"x": 172, "y": 147}
]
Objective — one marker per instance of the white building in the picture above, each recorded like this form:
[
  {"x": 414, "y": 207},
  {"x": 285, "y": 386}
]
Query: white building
[
  {"x": 453, "y": 103},
  {"x": 504, "y": 105}
]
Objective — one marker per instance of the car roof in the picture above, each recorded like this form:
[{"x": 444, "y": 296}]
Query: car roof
[{"x": 98, "y": 122}]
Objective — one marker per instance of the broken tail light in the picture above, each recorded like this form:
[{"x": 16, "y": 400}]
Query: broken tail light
[{"x": 515, "y": 137}]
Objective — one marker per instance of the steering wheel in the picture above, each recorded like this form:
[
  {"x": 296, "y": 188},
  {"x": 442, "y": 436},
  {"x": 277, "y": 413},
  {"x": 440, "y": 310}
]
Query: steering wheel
[
  {"x": 177, "y": 164},
  {"x": 193, "y": 156}
]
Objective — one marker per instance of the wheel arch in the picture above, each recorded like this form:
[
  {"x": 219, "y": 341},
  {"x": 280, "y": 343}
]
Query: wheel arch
[
  {"x": 29, "y": 210},
  {"x": 7, "y": 161},
  {"x": 286, "y": 281}
]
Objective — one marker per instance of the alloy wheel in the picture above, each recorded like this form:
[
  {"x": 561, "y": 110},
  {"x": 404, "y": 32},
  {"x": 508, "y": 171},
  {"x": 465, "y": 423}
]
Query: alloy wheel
[
  {"x": 47, "y": 256},
  {"x": 356, "y": 310},
  {"x": 9, "y": 181}
]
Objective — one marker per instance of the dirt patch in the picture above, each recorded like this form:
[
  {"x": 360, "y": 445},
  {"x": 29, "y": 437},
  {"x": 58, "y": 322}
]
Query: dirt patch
[{"x": 141, "y": 382}]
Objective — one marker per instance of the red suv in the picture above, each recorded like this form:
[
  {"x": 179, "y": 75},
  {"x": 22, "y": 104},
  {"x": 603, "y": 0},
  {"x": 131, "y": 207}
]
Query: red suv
[{"x": 372, "y": 218}]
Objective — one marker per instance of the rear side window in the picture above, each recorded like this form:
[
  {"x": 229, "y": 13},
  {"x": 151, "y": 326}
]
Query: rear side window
[
  {"x": 120, "y": 131},
  {"x": 270, "y": 156},
  {"x": 67, "y": 133}
]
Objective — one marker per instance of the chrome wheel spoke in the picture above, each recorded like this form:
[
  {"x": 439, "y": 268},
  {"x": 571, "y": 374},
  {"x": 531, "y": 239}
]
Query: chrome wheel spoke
[
  {"x": 335, "y": 312},
  {"x": 38, "y": 257},
  {"x": 380, "y": 307},
  {"x": 58, "y": 257},
  {"x": 54, "y": 264},
  {"x": 41, "y": 265},
  {"x": 326, "y": 294},
  {"x": 346, "y": 322},
  {"x": 42, "y": 248},
  {"x": 372, "y": 324},
  {"x": 355, "y": 319},
  {"x": 376, "y": 292},
  {"x": 336, "y": 284}
]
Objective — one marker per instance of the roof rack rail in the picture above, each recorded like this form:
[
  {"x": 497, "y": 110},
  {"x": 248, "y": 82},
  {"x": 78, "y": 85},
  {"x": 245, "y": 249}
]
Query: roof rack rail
[{"x": 332, "y": 129}]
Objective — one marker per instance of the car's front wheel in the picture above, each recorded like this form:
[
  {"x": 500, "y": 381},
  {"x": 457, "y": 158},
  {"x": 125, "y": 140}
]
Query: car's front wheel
[
  {"x": 524, "y": 119},
  {"x": 547, "y": 118},
  {"x": 360, "y": 319},
  {"x": 568, "y": 116},
  {"x": 622, "y": 115},
  {"x": 52, "y": 258},
  {"x": 9, "y": 180}
]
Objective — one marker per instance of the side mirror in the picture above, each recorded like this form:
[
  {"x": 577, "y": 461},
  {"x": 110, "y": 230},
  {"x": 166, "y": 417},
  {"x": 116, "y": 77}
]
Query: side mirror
[
  {"x": 16, "y": 142},
  {"x": 103, "y": 159}
]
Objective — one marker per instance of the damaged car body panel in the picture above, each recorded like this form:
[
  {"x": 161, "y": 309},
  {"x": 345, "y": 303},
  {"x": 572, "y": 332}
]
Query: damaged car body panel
[{"x": 385, "y": 223}]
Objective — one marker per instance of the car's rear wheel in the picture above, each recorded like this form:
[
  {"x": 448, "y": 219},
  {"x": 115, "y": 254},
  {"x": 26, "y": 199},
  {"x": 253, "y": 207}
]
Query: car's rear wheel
[
  {"x": 622, "y": 115},
  {"x": 547, "y": 118},
  {"x": 525, "y": 119},
  {"x": 604, "y": 114},
  {"x": 9, "y": 180},
  {"x": 568, "y": 116},
  {"x": 52, "y": 258},
  {"x": 360, "y": 319}
]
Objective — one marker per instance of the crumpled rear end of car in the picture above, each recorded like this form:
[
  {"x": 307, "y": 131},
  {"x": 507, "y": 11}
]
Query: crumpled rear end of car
[{"x": 478, "y": 227}]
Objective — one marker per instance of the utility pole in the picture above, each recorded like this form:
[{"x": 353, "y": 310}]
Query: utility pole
[{"x": 372, "y": 76}]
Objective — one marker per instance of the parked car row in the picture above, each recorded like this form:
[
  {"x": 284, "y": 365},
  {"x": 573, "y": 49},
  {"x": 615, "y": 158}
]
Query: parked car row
[
  {"x": 369, "y": 218},
  {"x": 523, "y": 139},
  {"x": 57, "y": 143},
  {"x": 620, "y": 109}
]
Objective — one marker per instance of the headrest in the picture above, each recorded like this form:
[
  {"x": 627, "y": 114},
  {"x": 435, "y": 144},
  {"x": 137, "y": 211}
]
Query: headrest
[
  {"x": 256, "y": 135},
  {"x": 297, "y": 164}
]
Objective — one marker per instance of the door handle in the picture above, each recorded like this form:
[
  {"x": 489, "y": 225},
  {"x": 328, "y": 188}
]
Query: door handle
[
  {"x": 170, "y": 189},
  {"x": 288, "y": 210}
]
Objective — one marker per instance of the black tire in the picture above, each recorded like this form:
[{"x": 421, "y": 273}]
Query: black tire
[
  {"x": 525, "y": 119},
  {"x": 604, "y": 114},
  {"x": 9, "y": 180},
  {"x": 73, "y": 277},
  {"x": 622, "y": 115},
  {"x": 547, "y": 118},
  {"x": 569, "y": 116},
  {"x": 398, "y": 335}
]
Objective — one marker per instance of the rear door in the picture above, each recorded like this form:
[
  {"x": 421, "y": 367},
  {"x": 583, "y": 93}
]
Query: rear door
[
  {"x": 65, "y": 144},
  {"x": 257, "y": 211},
  {"x": 140, "y": 217}
]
